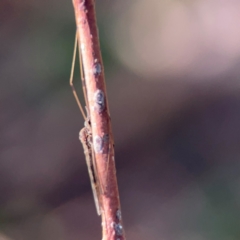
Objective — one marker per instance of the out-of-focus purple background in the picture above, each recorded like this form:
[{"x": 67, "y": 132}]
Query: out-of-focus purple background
[{"x": 172, "y": 71}]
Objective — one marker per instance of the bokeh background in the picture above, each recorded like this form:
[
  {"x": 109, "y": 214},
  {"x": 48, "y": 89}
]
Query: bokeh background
[{"x": 172, "y": 70}]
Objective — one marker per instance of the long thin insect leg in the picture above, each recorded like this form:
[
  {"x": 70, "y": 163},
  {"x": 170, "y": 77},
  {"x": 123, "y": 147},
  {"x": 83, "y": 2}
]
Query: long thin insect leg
[
  {"x": 71, "y": 78},
  {"x": 82, "y": 74}
]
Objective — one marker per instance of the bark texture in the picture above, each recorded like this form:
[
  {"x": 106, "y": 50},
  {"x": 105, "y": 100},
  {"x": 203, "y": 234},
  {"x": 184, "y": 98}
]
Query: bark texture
[{"x": 102, "y": 137}]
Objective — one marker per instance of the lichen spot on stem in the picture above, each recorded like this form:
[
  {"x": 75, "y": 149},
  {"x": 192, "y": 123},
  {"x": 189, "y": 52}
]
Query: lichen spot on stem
[
  {"x": 118, "y": 228},
  {"x": 98, "y": 144},
  {"x": 82, "y": 47},
  {"x": 119, "y": 215},
  {"x": 99, "y": 101},
  {"x": 97, "y": 69}
]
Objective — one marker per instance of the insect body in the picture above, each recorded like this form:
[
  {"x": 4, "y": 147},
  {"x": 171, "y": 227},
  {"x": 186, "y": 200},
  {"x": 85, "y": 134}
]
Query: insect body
[{"x": 85, "y": 136}]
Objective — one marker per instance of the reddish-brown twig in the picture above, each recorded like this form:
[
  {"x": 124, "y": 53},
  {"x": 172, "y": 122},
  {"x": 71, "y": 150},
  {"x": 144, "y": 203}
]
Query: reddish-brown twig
[{"x": 103, "y": 147}]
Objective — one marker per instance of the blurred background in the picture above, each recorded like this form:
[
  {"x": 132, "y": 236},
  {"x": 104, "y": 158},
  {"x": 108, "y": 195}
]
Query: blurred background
[{"x": 172, "y": 70}]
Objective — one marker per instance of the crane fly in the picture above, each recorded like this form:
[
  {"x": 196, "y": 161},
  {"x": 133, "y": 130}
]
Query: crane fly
[
  {"x": 85, "y": 134},
  {"x": 85, "y": 137}
]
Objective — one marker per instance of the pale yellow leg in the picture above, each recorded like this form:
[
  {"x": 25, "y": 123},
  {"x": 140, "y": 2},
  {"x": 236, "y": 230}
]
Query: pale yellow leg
[
  {"x": 82, "y": 75},
  {"x": 71, "y": 78}
]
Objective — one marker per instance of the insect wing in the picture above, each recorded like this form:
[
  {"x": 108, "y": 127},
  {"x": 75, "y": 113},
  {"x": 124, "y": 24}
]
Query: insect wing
[{"x": 89, "y": 160}]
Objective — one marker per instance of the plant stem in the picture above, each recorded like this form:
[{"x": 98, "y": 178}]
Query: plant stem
[{"x": 103, "y": 146}]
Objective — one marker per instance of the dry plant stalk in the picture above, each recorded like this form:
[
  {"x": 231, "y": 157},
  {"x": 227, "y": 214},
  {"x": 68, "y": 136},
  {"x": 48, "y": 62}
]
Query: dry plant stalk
[{"x": 102, "y": 138}]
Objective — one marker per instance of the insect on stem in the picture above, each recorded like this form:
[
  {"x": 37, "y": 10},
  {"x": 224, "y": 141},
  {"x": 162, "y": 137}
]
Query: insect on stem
[{"x": 85, "y": 135}]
